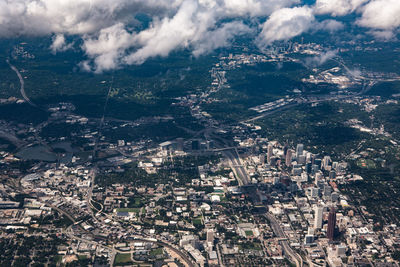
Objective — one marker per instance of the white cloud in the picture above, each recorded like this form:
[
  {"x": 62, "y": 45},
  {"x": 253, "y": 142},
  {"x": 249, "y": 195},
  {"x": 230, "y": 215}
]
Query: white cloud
[
  {"x": 255, "y": 7},
  {"x": 285, "y": 24},
  {"x": 329, "y": 25},
  {"x": 59, "y": 44},
  {"x": 191, "y": 27},
  {"x": 107, "y": 27},
  {"x": 383, "y": 35},
  {"x": 42, "y": 17},
  {"x": 320, "y": 59},
  {"x": 381, "y": 15},
  {"x": 107, "y": 48},
  {"x": 220, "y": 37},
  {"x": 337, "y": 7},
  {"x": 166, "y": 35}
]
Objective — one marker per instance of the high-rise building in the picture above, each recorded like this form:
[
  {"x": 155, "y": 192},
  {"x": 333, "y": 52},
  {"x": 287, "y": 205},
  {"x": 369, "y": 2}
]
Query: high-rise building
[
  {"x": 327, "y": 190},
  {"x": 308, "y": 240},
  {"x": 334, "y": 165},
  {"x": 301, "y": 159},
  {"x": 318, "y": 217},
  {"x": 334, "y": 197},
  {"x": 326, "y": 161},
  {"x": 299, "y": 150},
  {"x": 318, "y": 177},
  {"x": 270, "y": 153},
  {"x": 318, "y": 162},
  {"x": 262, "y": 159},
  {"x": 315, "y": 192},
  {"x": 308, "y": 167},
  {"x": 331, "y": 224},
  {"x": 288, "y": 158},
  {"x": 285, "y": 149}
]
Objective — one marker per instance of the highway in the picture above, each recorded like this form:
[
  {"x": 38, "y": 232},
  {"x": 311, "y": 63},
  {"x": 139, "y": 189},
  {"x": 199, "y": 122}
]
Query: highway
[
  {"x": 70, "y": 233},
  {"x": 368, "y": 83},
  {"x": 236, "y": 165},
  {"x": 22, "y": 82},
  {"x": 184, "y": 257},
  {"x": 231, "y": 154},
  {"x": 286, "y": 247}
]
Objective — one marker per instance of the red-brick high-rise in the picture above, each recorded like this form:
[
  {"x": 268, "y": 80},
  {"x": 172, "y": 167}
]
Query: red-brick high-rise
[{"x": 331, "y": 224}]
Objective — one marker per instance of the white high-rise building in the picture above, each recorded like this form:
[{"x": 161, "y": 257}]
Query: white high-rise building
[
  {"x": 326, "y": 161},
  {"x": 270, "y": 153},
  {"x": 289, "y": 155},
  {"x": 299, "y": 150},
  {"x": 319, "y": 211}
]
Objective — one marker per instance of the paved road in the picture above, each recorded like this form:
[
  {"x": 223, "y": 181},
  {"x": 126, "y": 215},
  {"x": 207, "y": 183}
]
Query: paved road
[
  {"x": 286, "y": 247},
  {"x": 313, "y": 99},
  {"x": 231, "y": 154},
  {"x": 22, "y": 82},
  {"x": 185, "y": 257},
  {"x": 237, "y": 166}
]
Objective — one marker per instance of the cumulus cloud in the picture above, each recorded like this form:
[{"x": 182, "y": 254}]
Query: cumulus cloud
[
  {"x": 220, "y": 37},
  {"x": 285, "y": 24},
  {"x": 42, "y": 17},
  {"x": 59, "y": 44},
  {"x": 191, "y": 27},
  {"x": 112, "y": 36},
  {"x": 329, "y": 25},
  {"x": 188, "y": 28},
  {"x": 253, "y": 7},
  {"x": 383, "y": 35},
  {"x": 107, "y": 28},
  {"x": 107, "y": 48},
  {"x": 337, "y": 7},
  {"x": 320, "y": 59},
  {"x": 381, "y": 15}
]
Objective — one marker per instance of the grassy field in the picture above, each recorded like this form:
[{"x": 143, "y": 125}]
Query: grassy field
[
  {"x": 249, "y": 233},
  {"x": 366, "y": 163},
  {"x": 197, "y": 221},
  {"x": 122, "y": 259},
  {"x": 136, "y": 210},
  {"x": 156, "y": 252}
]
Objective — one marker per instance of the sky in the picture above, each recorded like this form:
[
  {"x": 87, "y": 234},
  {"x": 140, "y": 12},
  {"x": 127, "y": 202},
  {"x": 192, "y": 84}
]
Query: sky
[{"x": 112, "y": 36}]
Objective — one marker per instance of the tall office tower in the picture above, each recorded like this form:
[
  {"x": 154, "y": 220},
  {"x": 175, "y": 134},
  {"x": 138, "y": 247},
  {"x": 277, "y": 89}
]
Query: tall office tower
[
  {"x": 262, "y": 159},
  {"x": 285, "y": 149},
  {"x": 326, "y": 161},
  {"x": 334, "y": 165},
  {"x": 288, "y": 158},
  {"x": 318, "y": 177},
  {"x": 309, "y": 157},
  {"x": 301, "y": 159},
  {"x": 331, "y": 224},
  {"x": 308, "y": 167},
  {"x": 334, "y": 197},
  {"x": 327, "y": 191},
  {"x": 270, "y": 153},
  {"x": 318, "y": 162},
  {"x": 318, "y": 217},
  {"x": 299, "y": 150}
]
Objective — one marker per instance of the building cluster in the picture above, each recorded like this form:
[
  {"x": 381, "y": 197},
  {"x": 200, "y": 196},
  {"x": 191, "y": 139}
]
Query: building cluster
[{"x": 226, "y": 197}]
